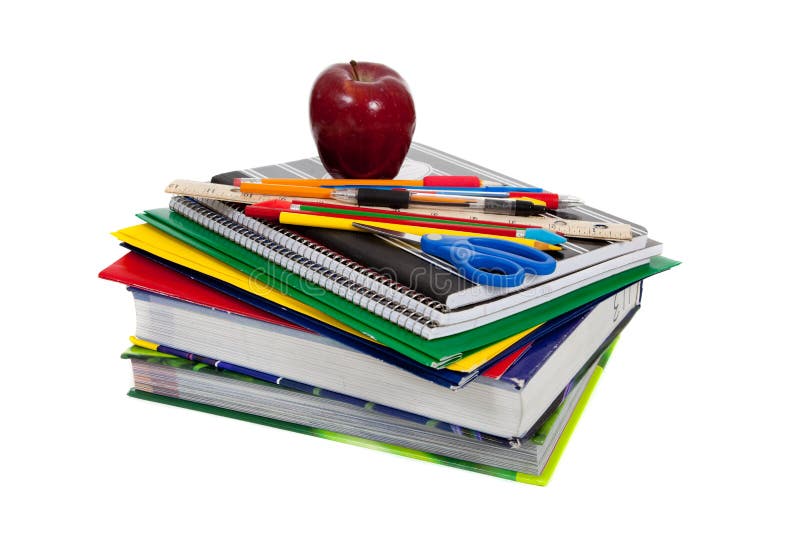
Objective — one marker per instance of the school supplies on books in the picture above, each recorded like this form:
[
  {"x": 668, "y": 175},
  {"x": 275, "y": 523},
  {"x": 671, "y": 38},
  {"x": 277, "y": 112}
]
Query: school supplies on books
[
  {"x": 227, "y": 233},
  {"x": 581, "y": 222},
  {"x": 423, "y": 160},
  {"x": 369, "y": 339}
]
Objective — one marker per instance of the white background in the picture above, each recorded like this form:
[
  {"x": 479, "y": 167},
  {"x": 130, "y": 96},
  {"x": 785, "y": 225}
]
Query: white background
[{"x": 681, "y": 115}]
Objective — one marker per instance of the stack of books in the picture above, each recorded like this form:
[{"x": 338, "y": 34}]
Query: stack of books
[{"x": 351, "y": 337}]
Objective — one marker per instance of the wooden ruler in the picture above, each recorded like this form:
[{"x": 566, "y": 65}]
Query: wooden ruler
[{"x": 605, "y": 231}]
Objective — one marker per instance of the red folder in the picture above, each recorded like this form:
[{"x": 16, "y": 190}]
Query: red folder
[{"x": 137, "y": 271}]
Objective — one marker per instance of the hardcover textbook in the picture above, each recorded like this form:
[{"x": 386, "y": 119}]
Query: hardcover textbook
[{"x": 532, "y": 463}]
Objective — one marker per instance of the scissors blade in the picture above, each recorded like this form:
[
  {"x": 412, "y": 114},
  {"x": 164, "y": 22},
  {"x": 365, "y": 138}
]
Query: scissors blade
[
  {"x": 416, "y": 251},
  {"x": 411, "y": 238}
]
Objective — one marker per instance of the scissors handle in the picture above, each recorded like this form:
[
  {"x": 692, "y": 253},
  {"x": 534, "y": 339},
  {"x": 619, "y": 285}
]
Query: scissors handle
[{"x": 489, "y": 261}]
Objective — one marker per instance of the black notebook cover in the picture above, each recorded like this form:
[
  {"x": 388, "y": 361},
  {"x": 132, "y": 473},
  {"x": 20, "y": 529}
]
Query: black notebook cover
[{"x": 399, "y": 265}]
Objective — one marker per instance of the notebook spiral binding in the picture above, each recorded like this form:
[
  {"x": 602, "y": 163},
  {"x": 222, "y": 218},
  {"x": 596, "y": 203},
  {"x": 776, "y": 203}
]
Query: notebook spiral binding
[
  {"x": 340, "y": 264},
  {"x": 236, "y": 212},
  {"x": 207, "y": 215}
]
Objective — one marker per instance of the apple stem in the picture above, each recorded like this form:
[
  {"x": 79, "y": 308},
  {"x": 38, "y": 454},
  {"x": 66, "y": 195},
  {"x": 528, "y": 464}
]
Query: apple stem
[{"x": 355, "y": 72}]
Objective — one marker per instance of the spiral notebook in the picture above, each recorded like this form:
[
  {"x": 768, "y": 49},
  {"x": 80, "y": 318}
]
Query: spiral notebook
[
  {"x": 422, "y": 161},
  {"x": 373, "y": 291},
  {"x": 317, "y": 264},
  {"x": 436, "y": 351}
]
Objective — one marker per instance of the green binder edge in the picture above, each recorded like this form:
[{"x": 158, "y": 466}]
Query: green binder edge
[
  {"x": 286, "y": 282},
  {"x": 538, "y": 480},
  {"x": 435, "y": 352}
]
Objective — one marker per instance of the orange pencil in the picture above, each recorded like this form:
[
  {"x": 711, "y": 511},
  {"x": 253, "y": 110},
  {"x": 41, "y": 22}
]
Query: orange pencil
[{"x": 281, "y": 190}]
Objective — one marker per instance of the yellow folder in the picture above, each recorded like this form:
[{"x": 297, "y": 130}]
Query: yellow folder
[{"x": 158, "y": 243}]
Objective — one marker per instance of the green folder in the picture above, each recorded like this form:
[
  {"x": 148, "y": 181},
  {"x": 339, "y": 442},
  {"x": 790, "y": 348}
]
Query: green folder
[{"x": 436, "y": 352}]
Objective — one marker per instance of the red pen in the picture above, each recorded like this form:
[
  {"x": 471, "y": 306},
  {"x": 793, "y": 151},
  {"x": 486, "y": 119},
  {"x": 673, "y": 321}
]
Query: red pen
[{"x": 553, "y": 201}]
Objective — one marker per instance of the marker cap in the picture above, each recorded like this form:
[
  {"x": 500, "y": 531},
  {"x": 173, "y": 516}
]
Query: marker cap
[
  {"x": 263, "y": 212},
  {"x": 545, "y": 236}
]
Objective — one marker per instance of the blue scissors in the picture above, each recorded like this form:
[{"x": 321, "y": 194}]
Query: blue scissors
[{"x": 482, "y": 260}]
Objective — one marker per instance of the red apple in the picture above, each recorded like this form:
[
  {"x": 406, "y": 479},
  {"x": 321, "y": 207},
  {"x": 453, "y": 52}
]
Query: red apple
[{"x": 362, "y": 119}]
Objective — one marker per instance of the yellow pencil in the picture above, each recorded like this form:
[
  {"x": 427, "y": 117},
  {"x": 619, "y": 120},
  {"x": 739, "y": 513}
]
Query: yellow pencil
[{"x": 337, "y": 223}]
